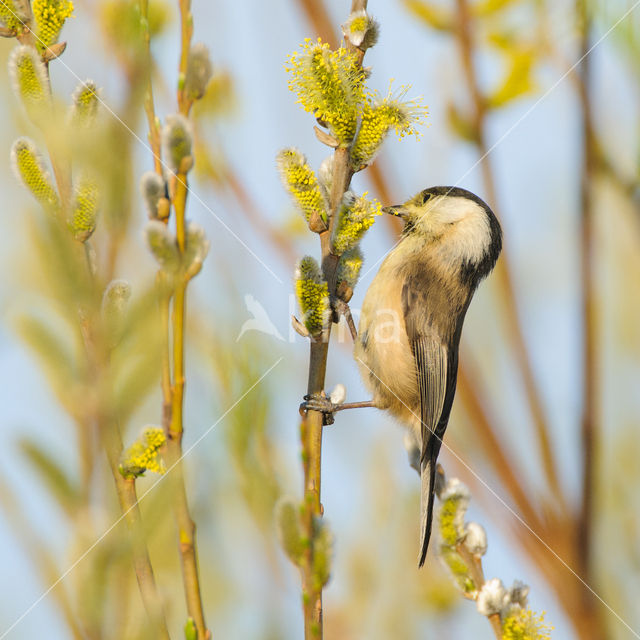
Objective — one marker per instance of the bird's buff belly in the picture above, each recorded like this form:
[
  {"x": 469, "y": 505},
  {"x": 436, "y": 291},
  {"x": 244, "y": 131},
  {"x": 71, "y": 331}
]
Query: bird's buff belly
[{"x": 387, "y": 366}]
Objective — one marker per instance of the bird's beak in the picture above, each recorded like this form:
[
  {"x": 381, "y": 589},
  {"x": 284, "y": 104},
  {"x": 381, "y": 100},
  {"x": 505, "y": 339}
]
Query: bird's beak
[{"x": 396, "y": 210}]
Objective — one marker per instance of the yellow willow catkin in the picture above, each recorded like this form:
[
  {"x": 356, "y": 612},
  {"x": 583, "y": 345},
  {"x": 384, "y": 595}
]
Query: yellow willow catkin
[
  {"x": 143, "y": 455},
  {"x": 29, "y": 167},
  {"x": 329, "y": 84},
  {"x": 50, "y": 16},
  {"x": 301, "y": 182},
  {"x": 313, "y": 295},
  {"x": 356, "y": 215}
]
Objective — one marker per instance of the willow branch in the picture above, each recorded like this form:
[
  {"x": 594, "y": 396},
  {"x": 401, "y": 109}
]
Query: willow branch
[
  {"x": 311, "y": 431},
  {"x": 184, "y": 522},
  {"x": 126, "y": 490},
  {"x": 154, "y": 132},
  {"x": 590, "y": 386},
  {"x": 186, "y": 31},
  {"x": 503, "y": 268},
  {"x": 474, "y": 563}
]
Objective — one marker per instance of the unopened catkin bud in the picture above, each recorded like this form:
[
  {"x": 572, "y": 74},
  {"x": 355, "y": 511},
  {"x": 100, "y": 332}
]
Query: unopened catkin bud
[
  {"x": 199, "y": 71},
  {"x": 163, "y": 246},
  {"x": 177, "y": 140},
  {"x": 361, "y": 30},
  {"x": 114, "y": 305},
  {"x": 475, "y": 538},
  {"x": 492, "y": 597},
  {"x": 196, "y": 249},
  {"x": 153, "y": 188}
]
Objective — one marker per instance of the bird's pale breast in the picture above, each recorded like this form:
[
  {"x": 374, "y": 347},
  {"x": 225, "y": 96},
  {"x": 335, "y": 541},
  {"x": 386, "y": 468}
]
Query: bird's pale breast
[{"x": 382, "y": 349}]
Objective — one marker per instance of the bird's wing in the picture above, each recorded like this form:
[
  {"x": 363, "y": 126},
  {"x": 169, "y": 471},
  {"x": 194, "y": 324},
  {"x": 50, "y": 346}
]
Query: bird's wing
[
  {"x": 432, "y": 369},
  {"x": 431, "y": 366}
]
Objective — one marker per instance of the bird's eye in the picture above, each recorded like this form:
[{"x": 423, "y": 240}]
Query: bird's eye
[{"x": 425, "y": 196}]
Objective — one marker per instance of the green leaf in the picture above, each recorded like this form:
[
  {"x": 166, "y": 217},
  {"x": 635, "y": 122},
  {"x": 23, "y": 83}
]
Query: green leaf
[
  {"x": 190, "y": 630},
  {"x": 289, "y": 530},
  {"x": 489, "y": 7},
  {"x": 54, "y": 476},
  {"x": 433, "y": 15},
  {"x": 56, "y": 358},
  {"x": 517, "y": 81},
  {"x": 461, "y": 124}
]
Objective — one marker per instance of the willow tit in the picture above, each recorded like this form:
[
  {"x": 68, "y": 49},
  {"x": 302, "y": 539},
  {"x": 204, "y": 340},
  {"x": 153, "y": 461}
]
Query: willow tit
[{"x": 412, "y": 315}]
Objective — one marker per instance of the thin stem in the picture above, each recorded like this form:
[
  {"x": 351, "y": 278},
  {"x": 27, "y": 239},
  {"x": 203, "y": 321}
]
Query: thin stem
[
  {"x": 154, "y": 134},
  {"x": 590, "y": 386},
  {"x": 184, "y": 522},
  {"x": 503, "y": 268},
  {"x": 474, "y": 563},
  {"x": 164, "y": 305},
  {"x": 311, "y": 431},
  {"x": 126, "y": 490},
  {"x": 109, "y": 432},
  {"x": 186, "y": 31}
]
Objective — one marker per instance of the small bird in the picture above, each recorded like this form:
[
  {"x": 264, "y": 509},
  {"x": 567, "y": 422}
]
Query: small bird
[{"x": 412, "y": 315}]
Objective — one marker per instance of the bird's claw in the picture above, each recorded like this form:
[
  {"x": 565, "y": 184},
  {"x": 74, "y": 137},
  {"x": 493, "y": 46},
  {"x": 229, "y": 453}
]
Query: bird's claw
[{"x": 319, "y": 402}]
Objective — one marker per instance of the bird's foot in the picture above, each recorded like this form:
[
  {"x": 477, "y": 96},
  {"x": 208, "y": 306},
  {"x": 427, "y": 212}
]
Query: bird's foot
[
  {"x": 326, "y": 405},
  {"x": 319, "y": 402},
  {"x": 341, "y": 308}
]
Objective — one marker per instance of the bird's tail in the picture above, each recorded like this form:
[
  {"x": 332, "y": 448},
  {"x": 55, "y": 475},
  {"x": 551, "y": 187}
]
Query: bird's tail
[{"x": 427, "y": 495}]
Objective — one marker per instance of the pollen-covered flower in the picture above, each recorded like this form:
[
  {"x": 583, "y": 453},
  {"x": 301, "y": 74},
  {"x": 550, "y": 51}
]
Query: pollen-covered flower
[
  {"x": 29, "y": 78},
  {"x": 300, "y": 181},
  {"x": 453, "y": 506},
  {"x": 329, "y": 84},
  {"x": 459, "y": 570},
  {"x": 82, "y": 221},
  {"x": 163, "y": 245},
  {"x": 356, "y": 215},
  {"x": 177, "y": 139},
  {"x": 50, "y": 16},
  {"x": 29, "y": 167},
  {"x": 84, "y": 104},
  {"x": 349, "y": 267},
  {"x": 199, "y": 71},
  {"x": 379, "y": 116},
  {"x": 143, "y": 455},
  {"x": 13, "y": 14},
  {"x": 313, "y": 295},
  {"x": 361, "y": 30},
  {"x": 524, "y": 624}
]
